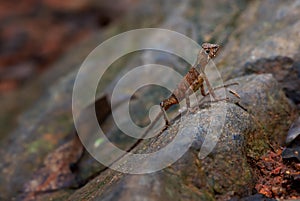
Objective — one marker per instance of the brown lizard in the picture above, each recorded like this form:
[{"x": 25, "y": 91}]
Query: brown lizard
[{"x": 192, "y": 81}]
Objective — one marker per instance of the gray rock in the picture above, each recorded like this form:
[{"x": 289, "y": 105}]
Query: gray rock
[
  {"x": 225, "y": 171},
  {"x": 285, "y": 70},
  {"x": 266, "y": 29},
  {"x": 293, "y": 132}
]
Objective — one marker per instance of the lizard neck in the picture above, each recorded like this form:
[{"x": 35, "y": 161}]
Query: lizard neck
[{"x": 202, "y": 61}]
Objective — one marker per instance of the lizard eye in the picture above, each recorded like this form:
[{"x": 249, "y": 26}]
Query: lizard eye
[{"x": 207, "y": 51}]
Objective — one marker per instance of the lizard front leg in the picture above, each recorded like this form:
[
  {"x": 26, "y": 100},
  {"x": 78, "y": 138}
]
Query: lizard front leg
[
  {"x": 198, "y": 83},
  {"x": 210, "y": 89}
]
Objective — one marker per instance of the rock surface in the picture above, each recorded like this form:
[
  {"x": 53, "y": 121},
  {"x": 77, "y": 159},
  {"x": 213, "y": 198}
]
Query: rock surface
[
  {"x": 226, "y": 171},
  {"x": 266, "y": 41}
]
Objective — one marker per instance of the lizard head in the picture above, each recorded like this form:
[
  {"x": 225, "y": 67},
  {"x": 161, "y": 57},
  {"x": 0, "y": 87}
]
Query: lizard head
[{"x": 210, "y": 49}]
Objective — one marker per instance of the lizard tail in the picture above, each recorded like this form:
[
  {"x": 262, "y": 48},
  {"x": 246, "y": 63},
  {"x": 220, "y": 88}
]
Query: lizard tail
[
  {"x": 152, "y": 124},
  {"x": 145, "y": 132}
]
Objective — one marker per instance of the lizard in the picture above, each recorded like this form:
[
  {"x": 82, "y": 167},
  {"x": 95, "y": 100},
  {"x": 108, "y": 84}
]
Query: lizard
[{"x": 191, "y": 82}]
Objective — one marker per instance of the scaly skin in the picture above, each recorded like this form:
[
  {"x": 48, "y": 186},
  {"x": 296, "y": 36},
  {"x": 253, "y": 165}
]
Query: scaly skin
[{"x": 193, "y": 80}]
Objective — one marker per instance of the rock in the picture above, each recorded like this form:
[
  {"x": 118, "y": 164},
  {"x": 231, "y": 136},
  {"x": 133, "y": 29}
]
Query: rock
[
  {"x": 256, "y": 197},
  {"x": 78, "y": 6},
  {"x": 291, "y": 153},
  {"x": 293, "y": 142},
  {"x": 293, "y": 132},
  {"x": 285, "y": 70},
  {"x": 226, "y": 170},
  {"x": 274, "y": 30},
  {"x": 266, "y": 42}
]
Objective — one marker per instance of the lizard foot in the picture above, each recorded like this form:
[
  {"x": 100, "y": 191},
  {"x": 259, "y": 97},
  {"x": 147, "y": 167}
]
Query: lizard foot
[{"x": 190, "y": 110}]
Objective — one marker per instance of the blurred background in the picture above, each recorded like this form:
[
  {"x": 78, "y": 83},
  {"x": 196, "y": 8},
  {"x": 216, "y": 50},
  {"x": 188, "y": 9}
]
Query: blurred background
[{"x": 34, "y": 34}]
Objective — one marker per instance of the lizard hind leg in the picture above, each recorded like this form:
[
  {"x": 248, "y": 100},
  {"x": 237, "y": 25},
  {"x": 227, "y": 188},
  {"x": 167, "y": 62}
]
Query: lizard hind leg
[
  {"x": 189, "y": 108},
  {"x": 203, "y": 93},
  {"x": 165, "y": 105},
  {"x": 188, "y": 103},
  {"x": 164, "y": 114}
]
